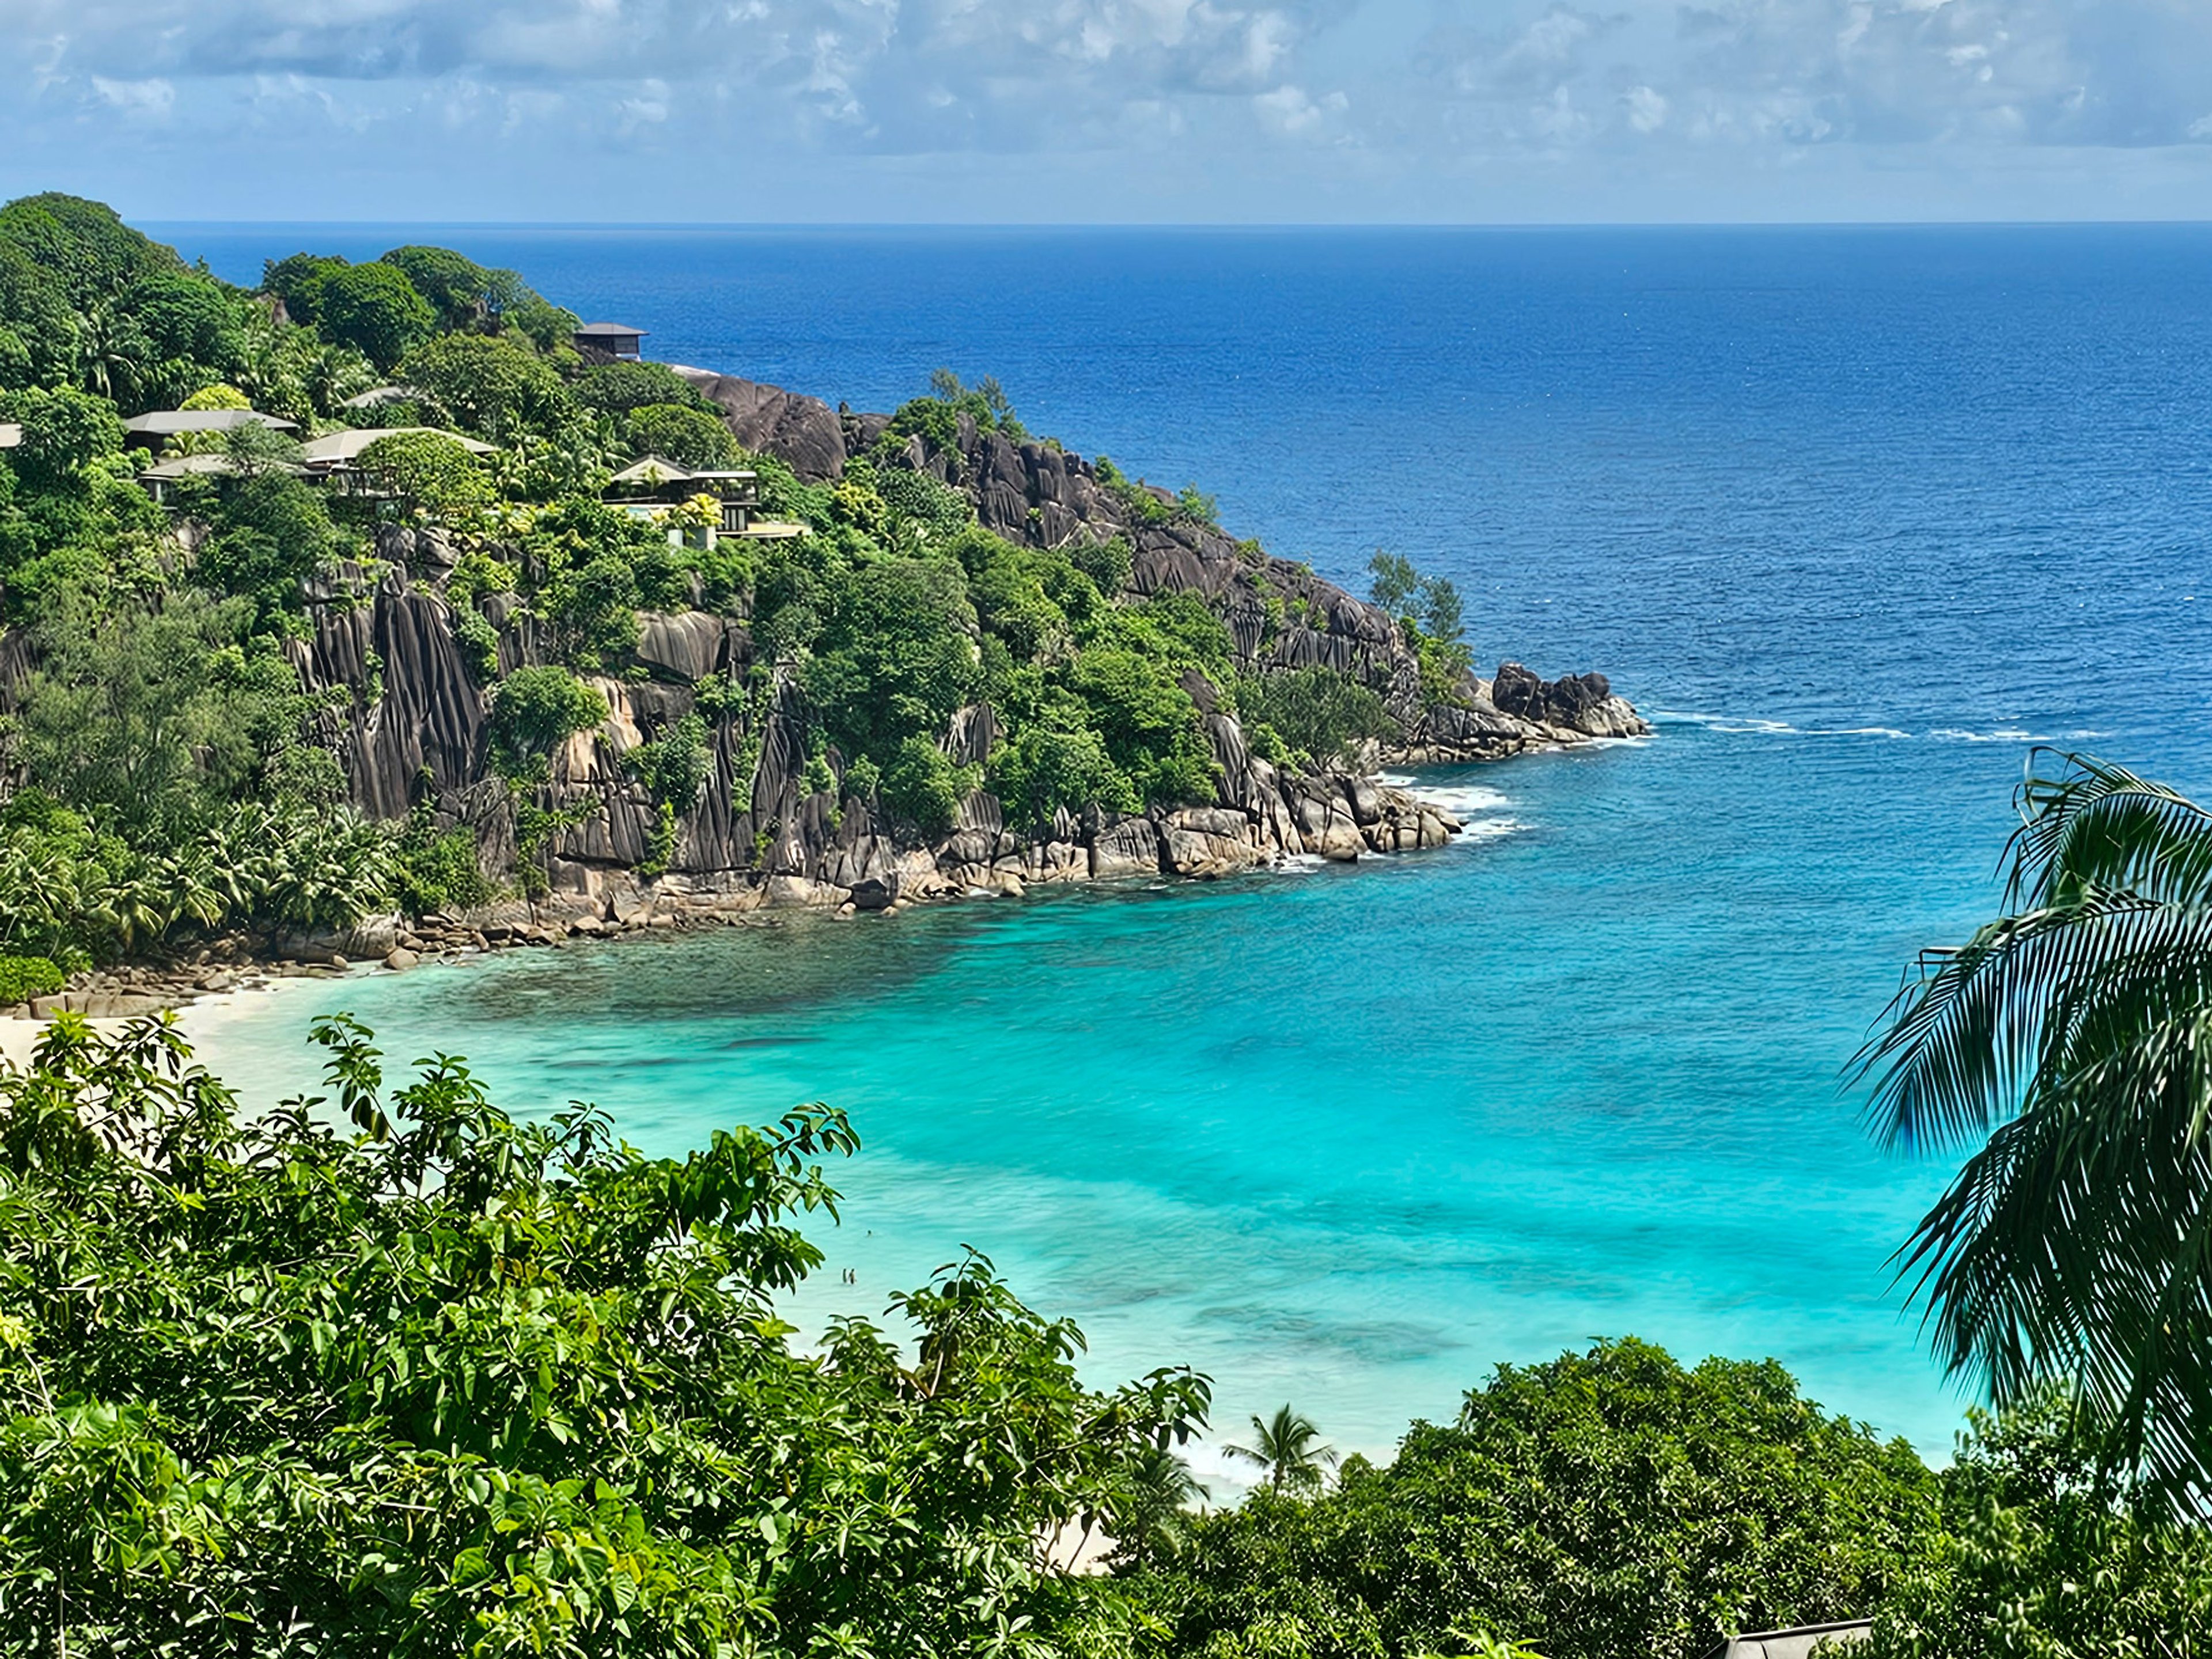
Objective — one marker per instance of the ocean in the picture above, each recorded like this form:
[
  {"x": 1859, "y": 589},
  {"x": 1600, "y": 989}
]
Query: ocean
[{"x": 1857, "y": 516}]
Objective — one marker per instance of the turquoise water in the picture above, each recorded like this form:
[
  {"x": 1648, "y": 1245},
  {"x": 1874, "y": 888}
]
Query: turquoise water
[{"x": 1859, "y": 516}]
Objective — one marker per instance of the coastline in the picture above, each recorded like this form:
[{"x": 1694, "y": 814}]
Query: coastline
[{"x": 228, "y": 972}]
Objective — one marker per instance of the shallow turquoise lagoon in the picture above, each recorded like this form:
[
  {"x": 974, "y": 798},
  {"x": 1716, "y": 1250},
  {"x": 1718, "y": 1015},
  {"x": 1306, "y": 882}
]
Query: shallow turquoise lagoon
[{"x": 1342, "y": 1136}]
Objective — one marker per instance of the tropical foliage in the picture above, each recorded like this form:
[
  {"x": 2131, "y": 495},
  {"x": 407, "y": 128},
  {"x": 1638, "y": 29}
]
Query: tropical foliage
[
  {"x": 2076, "y": 1244},
  {"x": 456, "y": 1384},
  {"x": 1608, "y": 1502}
]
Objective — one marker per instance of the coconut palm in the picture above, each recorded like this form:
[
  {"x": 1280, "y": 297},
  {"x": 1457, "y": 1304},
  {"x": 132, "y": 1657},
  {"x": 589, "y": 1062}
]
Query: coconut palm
[
  {"x": 1153, "y": 1521},
  {"x": 2076, "y": 1033},
  {"x": 1287, "y": 1446}
]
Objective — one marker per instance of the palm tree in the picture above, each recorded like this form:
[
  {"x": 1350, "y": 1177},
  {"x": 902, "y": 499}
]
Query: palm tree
[
  {"x": 2075, "y": 1034},
  {"x": 1287, "y": 1446},
  {"x": 1153, "y": 1523}
]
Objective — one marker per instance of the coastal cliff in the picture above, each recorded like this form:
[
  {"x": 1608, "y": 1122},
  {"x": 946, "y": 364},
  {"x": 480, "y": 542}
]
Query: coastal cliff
[
  {"x": 759, "y": 833},
  {"x": 397, "y": 590}
]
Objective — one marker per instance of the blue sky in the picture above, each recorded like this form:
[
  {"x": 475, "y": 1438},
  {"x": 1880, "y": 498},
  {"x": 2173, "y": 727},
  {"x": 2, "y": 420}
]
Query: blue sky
[{"x": 1066, "y": 110}]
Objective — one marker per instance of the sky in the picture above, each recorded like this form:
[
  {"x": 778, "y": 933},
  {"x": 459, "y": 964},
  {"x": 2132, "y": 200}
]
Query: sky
[{"x": 1113, "y": 110}]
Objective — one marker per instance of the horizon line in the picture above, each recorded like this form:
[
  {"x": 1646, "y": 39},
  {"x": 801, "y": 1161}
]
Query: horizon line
[{"x": 1216, "y": 225}]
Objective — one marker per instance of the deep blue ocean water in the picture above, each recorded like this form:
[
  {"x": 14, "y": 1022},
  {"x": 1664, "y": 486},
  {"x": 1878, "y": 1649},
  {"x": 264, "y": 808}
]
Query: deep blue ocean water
[{"x": 1856, "y": 515}]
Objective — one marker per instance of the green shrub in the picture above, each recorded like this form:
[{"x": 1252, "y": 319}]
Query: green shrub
[
  {"x": 923, "y": 788},
  {"x": 1314, "y": 711},
  {"x": 437, "y": 870},
  {"x": 1110, "y": 564},
  {"x": 1042, "y": 769},
  {"x": 618, "y": 388},
  {"x": 22, "y": 978},
  {"x": 533, "y": 711},
  {"x": 674, "y": 766},
  {"x": 693, "y": 438}
]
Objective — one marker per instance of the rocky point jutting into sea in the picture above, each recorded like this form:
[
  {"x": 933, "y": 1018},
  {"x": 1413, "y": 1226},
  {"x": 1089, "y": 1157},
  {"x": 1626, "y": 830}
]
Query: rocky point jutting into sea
[{"x": 757, "y": 835}]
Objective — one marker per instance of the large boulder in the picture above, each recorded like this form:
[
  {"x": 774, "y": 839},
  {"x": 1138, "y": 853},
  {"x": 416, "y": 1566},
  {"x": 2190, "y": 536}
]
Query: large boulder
[{"x": 803, "y": 432}]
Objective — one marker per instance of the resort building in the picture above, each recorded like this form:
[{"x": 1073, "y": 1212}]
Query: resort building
[
  {"x": 151, "y": 431},
  {"x": 1800, "y": 1642},
  {"x": 159, "y": 480},
  {"x": 616, "y": 340},
  {"x": 654, "y": 484},
  {"x": 335, "y": 460}
]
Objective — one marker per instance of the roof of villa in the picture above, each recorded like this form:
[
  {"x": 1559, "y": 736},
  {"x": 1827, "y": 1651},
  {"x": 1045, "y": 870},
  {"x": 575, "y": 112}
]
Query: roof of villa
[
  {"x": 594, "y": 331},
  {"x": 658, "y": 469},
  {"x": 168, "y": 422},
  {"x": 340, "y": 448},
  {"x": 378, "y": 395}
]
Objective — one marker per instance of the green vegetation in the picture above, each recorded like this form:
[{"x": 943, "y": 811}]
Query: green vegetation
[
  {"x": 24, "y": 978},
  {"x": 458, "y": 1385},
  {"x": 1608, "y": 1502},
  {"x": 2064, "y": 1041},
  {"x": 892, "y": 614},
  {"x": 1431, "y": 617},
  {"x": 448, "y": 1384},
  {"x": 1311, "y": 713},
  {"x": 533, "y": 711}
]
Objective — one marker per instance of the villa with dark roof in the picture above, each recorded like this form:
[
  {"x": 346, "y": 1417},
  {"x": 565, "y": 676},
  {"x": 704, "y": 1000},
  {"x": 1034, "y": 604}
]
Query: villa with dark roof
[{"x": 616, "y": 340}]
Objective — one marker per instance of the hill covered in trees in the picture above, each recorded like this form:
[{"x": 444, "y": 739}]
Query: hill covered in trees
[{"x": 393, "y": 636}]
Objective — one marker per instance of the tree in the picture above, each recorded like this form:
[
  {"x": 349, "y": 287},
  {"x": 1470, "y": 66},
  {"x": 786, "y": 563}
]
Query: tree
[
  {"x": 152, "y": 718},
  {"x": 692, "y": 438},
  {"x": 896, "y": 657},
  {"x": 618, "y": 388},
  {"x": 458, "y": 288},
  {"x": 923, "y": 787},
  {"x": 1315, "y": 710},
  {"x": 533, "y": 711},
  {"x": 64, "y": 431},
  {"x": 297, "y": 281},
  {"x": 2076, "y": 1243},
  {"x": 1288, "y": 1447},
  {"x": 374, "y": 309},
  {"x": 1394, "y": 581},
  {"x": 428, "y": 474},
  {"x": 457, "y": 1384},
  {"x": 491, "y": 386},
  {"x": 268, "y": 530},
  {"x": 188, "y": 317},
  {"x": 2033, "y": 1556}
]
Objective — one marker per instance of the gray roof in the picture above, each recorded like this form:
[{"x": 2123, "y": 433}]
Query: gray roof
[
  {"x": 168, "y": 422},
  {"x": 594, "y": 331},
  {"x": 652, "y": 468},
  {"x": 342, "y": 447},
  {"x": 377, "y": 395},
  {"x": 1796, "y": 1642}
]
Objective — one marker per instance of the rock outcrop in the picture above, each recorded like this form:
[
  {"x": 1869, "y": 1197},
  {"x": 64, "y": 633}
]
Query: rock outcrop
[{"x": 805, "y": 432}]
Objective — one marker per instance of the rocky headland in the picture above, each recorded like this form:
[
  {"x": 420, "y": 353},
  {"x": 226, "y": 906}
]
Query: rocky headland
[
  {"x": 409, "y": 716},
  {"x": 758, "y": 836}
]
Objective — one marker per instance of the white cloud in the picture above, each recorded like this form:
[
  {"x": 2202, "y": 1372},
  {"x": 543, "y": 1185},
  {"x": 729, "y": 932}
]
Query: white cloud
[
  {"x": 1647, "y": 109},
  {"x": 1412, "y": 88},
  {"x": 149, "y": 100}
]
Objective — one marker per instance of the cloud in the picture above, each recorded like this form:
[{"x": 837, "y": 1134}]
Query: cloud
[
  {"x": 1415, "y": 90},
  {"x": 148, "y": 100}
]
